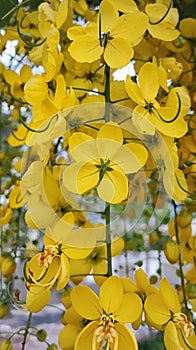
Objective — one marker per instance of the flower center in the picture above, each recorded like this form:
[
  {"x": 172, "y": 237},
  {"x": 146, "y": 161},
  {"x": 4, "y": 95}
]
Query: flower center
[
  {"x": 106, "y": 334},
  {"x": 46, "y": 257},
  {"x": 181, "y": 320}
]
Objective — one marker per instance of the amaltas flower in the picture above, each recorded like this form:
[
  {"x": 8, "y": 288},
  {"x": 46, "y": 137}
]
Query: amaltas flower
[
  {"x": 102, "y": 163},
  {"x": 164, "y": 312},
  {"x": 149, "y": 115},
  {"x": 107, "y": 316},
  {"x": 113, "y": 36}
]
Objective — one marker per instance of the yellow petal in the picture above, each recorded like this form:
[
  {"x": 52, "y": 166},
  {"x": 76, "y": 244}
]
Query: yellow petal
[
  {"x": 80, "y": 177},
  {"x": 130, "y": 309},
  {"x": 113, "y": 187},
  {"x": 67, "y": 336},
  {"x": 79, "y": 243},
  {"x": 170, "y": 295},
  {"x": 131, "y": 26},
  {"x": 126, "y": 339},
  {"x": 85, "y": 338},
  {"x": 82, "y": 147},
  {"x": 64, "y": 272},
  {"x": 108, "y": 292},
  {"x": 108, "y": 15},
  {"x": 142, "y": 280},
  {"x": 131, "y": 157},
  {"x": 187, "y": 27},
  {"x": 157, "y": 309},
  {"x": 90, "y": 307},
  {"x": 117, "y": 246},
  {"x": 79, "y": 266},
  {"x": 171, "y": 339},
  {"x": 111, "y": 131},
  {"x": 134, "y": 92},
  {"x": 118, "y": 53},
  {"x": 37, "y": 298},
  {"x": 62, "y": 13},
  {"x": 101, "y": 267},
  {"x": 149, "y": 87},
  {"x": 85, "y": 49},
  {"x": 177, "y": 128}
]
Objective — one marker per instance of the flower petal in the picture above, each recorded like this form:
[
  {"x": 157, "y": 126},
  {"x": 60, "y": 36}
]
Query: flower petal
[
  {"x": 130, "y": 309},
  {"x": 85, "y": 338},
  {"x": 118, "y": 53},
  {"x": 113, "y": 187},
  {"x": 131, "y": 157},
  {"x": 149, "y": 87},
  {"x": 111, "y": 294},
  {"x": 126, "y": 339},
  {"x": 85, "y": 49},
  {"x": 37, "y": 298},
  {"x": 80, "y": 177},
  {"x": 67, "y": 336},
  {"x": 157, "y": 309},
  {"x": 170, "y": 296},
  {"x": 82, "y": 147},
  {"x": 171, "y": 339},
  {"x": 64, "y": 272},
  {"x": 86, "y": 303}
]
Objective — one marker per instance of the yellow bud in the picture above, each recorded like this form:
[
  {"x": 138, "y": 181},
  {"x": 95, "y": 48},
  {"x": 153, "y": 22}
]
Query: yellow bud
[
  {"x": 66, "y": 300},
  {"x": 171, "y": 252},
  {"x": 184, "y": 218},
  {"x": 8, "y": 266},
  {"x": 6, "y": 345},
  {"x": 4, "y": 309}
]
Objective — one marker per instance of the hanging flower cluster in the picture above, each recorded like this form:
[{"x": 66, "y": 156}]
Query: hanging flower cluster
[{"x": 95, "y": 165}]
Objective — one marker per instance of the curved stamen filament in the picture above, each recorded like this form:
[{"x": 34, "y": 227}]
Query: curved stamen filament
[
  {"x": 39, "y": 130},
  {"x": 22, "y": 36},
  {"x": 162, "y": 18},
  {"x": 177, "y": 113}
]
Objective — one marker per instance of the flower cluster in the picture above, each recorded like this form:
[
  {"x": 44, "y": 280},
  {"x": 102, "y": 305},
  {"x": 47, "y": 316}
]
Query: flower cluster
[{"x": 98, "y": 159}]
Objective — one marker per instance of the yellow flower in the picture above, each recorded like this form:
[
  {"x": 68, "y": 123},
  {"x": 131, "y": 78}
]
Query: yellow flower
[
  {"x": 17, "y": 81},
  {"x": 103, "y": 163},
  {"x": 5, "y": 214},
  {"x": 163, "y": 309},
  {"x": 45, "y": 268},
  {"x": 148, "y": 115},
  {"x": 113, "y": 36},
  {"x": 160, "y": 26},
  {"x": 107, "y": 315}
]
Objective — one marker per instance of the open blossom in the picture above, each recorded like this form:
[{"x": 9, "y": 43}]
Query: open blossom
[
  {"x": 164, "y": 312},
  {"x": 107, "y": 316},
  {"x": 103, "y": 163},
  {"x": 112, "y": 36}
]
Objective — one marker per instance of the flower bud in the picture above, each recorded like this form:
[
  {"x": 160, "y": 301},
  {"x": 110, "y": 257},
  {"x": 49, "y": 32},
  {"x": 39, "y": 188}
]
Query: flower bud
[
  {"x": 184, "y": 218},
  {"x": 171, "y": 252},
  {"x": 6, "y": 345},
  {"x": 66, "y": 300},
  {"x": 4, "y": 309},
  {"x": 41, "y": 335},
  {"x": 8, "y": 266},
  {"x": 52, "y": 347}
]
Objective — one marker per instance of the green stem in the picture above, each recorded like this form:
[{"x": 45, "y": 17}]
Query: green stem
[
  {"x": 14, "y": 9},
  {"x": 108, "y": 239},
  {"x": 180, "y": 258},
  {"x": 26, "y": 331},
  {"x": 107, "y": 94}
]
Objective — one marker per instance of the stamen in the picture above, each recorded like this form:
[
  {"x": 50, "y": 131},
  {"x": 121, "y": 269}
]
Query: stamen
[
  {"x": 182, "y": 320},
  {"x": 105, "y": 334}
]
